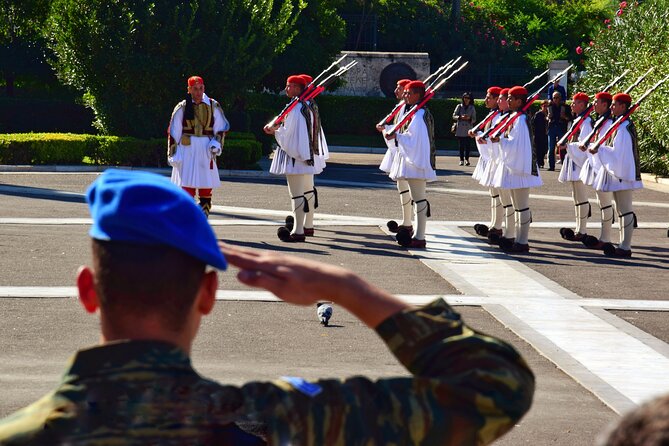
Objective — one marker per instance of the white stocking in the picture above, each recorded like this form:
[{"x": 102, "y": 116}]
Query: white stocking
[
  {"x": 297, "y": 185},
  {"x": 405, "y": 201},
  {"x": 507, "y": 208},
  {"x": 605, "y": 202},
  {"x": 626, "y": 215},
  {"x": 496, "y": 209},
  {"x": 418, "y": 195},
  {"x": 521, "y": 204},
  {"x": 582, "y": 206}
]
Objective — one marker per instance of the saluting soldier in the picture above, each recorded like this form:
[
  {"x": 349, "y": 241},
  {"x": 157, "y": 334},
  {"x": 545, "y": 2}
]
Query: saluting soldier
[
  {"x": 151, "y": 289},
  {"x": 571, "y": 168},
  {"x": 195, "y": 138}
]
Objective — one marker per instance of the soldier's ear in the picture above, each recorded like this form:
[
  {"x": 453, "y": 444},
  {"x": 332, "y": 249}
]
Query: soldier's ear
[
  {"x": 86, "y": 288},
  {"x": 207, "y": 293}
]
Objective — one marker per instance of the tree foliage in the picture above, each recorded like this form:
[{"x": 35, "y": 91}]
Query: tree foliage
[
  {"x": 320, "y": 36},
  {"x": 636, "y": 40},
  {"x": 132, "y": 58},
  {"x": 541, "y": 29},
  {"x": 21, "y": 45}
]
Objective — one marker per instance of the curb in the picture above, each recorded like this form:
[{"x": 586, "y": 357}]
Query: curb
[{"x": 100, "y": 169}]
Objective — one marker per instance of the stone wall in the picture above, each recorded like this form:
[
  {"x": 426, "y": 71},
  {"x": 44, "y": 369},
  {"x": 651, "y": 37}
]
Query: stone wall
[{"x": 377, "y": 73}]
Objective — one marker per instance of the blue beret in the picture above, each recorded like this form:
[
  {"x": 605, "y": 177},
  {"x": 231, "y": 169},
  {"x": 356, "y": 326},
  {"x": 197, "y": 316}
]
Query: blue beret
[{"x": 145, "y": 208}]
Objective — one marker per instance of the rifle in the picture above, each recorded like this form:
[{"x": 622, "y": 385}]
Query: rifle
[
  {"x": 602, "y": 119},
  {"x": 388, "y": 118},
  {"x": 493, "y": 113},
  {"x": 429, "y": 94},
  {"x": 328, "y": 80},
  {"x": 624, "y": 117},
  {"x": 293, "y": 102},
  {"x": 581, "y": 119},
  {"x": 505, "y": 124}
]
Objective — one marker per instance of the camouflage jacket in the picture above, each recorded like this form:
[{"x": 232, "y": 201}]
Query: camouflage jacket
[{"x": 467, "y": 389}]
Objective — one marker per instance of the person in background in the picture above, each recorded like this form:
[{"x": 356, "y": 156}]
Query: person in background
[
  {"x": 195, "y": 138},
  {"x": 559, "y": 116},
  {"x": 540, "y": 135},
  {"x": 464, "y": 117},
  {"x": 555, "y": 86}
]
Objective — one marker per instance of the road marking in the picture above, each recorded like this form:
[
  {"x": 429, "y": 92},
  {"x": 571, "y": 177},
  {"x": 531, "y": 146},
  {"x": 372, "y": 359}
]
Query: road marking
[
  {"x": 552, "y": 319},
  {"x": 73, "y": 196},
  {"x": 56, "y": 292}
]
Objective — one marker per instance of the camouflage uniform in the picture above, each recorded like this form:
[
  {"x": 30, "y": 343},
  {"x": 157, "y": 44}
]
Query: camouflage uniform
[{"x": 467, "y": 389}]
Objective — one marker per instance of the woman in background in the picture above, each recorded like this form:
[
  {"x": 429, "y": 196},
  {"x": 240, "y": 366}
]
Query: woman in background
[{"x": 464, "y": 117}]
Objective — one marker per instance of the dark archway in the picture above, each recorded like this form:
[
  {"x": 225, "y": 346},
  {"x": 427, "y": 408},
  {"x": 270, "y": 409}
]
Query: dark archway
[{"x": 391, "y": 74}]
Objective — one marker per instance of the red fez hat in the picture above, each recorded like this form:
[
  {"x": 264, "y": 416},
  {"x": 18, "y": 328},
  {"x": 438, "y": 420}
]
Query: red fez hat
[
  {"x": 415, "y": 84},
  {"x": 403, "y": 82},
  {"x": 518, "y": 92},
  {"x": 495, "y": 91},
  {"x": 623, "y": 97},
  {"x": 503, "y": 91},
  {"x": 580, "y": 96},
  {"x": 194, "y": 80},
  {"x": 307, "y": 78},
  {"x": 605, "y": 96},
  {"x": 296, "y": 79}
]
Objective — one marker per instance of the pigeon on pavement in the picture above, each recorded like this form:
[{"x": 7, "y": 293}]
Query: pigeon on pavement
[{"x": 324, "y": 311}]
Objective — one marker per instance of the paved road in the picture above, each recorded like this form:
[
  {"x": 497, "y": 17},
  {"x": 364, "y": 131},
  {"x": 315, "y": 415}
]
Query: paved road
[{"x": 586, "y": 323}]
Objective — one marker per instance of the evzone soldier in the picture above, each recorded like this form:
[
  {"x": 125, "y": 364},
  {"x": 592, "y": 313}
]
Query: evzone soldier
[
  {"x": 482, "y": 169},
  {"x": 195, "y": 138},
  {"x": 591, "y": 167},
  {"x": 387, "y": 163},
  {"x": 507, "y": 229},
  {"x": 619, "y": 172},
  {"x": 415, "y": 163},
  {"x": 571, "y": 168},
  {"x": 301, "y": 154},
  {"x": 517, "y": 171}
]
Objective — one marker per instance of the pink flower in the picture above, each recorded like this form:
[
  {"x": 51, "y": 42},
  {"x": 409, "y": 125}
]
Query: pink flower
[
  {"x": 471, "y": 4},
  {"x": 591, "y": 43},
  {"x": 607, "y": 21},
  {"x": 503, "y": 42},
  {"x": 619, "y": 12},
  {"x": 608, "y": 26},
  {"x": 623, "y": 5},
  {"x": 579, "y": 50},
  {"x": 517, "y": 43}
]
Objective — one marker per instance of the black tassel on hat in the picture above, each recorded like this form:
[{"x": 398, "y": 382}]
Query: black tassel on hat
[{"x": 189, "y": 113}]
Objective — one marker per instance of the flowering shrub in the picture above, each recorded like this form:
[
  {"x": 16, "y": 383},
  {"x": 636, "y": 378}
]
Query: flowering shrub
[{"x": 634, "y": 41}]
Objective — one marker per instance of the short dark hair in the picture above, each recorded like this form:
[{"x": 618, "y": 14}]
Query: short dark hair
[
  {"x": 647, "y": 425},
  {"x": 133, "y": 279},
  {"x": 420, "y": 90}
]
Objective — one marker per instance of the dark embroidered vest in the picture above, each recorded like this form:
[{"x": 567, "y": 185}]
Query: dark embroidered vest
[{"x": 203, "y": 121}]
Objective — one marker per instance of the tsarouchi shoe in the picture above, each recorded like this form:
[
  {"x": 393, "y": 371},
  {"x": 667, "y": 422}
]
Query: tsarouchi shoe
[
  {"x": 285, "y": 236},
  {"x": 611, "y": 251},
  {"x": 481, "y": 229}
]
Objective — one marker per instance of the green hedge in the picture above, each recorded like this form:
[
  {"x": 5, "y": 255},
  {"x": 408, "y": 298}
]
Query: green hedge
[
  {"x": 241, "y": 150},
  {"x": 350, "y": 115}
]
